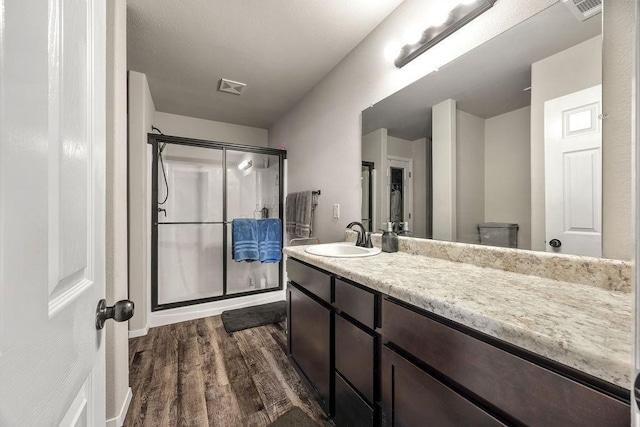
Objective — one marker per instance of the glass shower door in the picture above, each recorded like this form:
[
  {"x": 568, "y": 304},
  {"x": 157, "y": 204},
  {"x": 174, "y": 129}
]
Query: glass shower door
[
  {"x": 190, "y": 223},
  {"x": 253, "y": 191}
]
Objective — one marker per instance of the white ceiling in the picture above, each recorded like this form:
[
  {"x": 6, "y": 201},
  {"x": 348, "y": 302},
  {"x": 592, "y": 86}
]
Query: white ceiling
[
  {"x": 279, "y": 48},
  {"x": 487, "y": 81}
]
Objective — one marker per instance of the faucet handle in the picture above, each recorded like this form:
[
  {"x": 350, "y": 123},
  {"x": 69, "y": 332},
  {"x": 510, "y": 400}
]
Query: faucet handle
[
  {"x": 359, "y": 240},
  {"x": 368, "y": 243}
]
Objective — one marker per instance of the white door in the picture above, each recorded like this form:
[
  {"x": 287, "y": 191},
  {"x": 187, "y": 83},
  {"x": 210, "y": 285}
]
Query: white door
[
  {"x": 402, "y": 194},
  {"x": 52, "y": 207},
  {"x": 573, "y": 173}
]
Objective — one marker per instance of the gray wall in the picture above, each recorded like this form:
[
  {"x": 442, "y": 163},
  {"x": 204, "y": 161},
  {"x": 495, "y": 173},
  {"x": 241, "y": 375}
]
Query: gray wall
[
  {"x": 507, "y": 174},
  {"x": 399, "y": 147},
  {"x": 470, "y": 171},
  {"x": 191, "y": 127},
  {"x": 374, "y": 149},
  {"x": 141, "y": 117},
  {"x": 420, "y": 189},
  {"x": 574, "y": 69},
  {"x": 322, "y": 133},
  {"x": 617, "y": 131}
]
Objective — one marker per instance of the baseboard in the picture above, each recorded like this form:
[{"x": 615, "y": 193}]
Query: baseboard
[
  {"x": 139, "y": 332},
  {"x": 199, "y": 311},
  {"x": 119, "y": 420}
]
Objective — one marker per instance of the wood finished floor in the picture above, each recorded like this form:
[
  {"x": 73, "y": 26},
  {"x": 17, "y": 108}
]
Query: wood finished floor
[{"x": 195, "y": 374}]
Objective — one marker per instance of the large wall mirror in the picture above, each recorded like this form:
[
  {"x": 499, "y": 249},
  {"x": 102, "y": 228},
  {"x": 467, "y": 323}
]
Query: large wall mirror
[{"x": 502, "y": 146}]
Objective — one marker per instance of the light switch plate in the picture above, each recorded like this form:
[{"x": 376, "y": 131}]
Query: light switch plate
[{"x": 336, "y": 211}]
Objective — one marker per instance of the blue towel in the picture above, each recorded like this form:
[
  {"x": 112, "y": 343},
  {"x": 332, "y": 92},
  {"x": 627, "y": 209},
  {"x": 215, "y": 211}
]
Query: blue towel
[
  {"x": 245, "y": 240},
  {"x": 270, "y": 240}
]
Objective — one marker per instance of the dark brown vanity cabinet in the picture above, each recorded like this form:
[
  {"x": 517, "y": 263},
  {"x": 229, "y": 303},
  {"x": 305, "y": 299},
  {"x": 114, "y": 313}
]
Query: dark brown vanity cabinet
[
  {"x": 309, "y": 342},
  {"x": 373, "y": 360},
  {"x": 332, "y": 342}
]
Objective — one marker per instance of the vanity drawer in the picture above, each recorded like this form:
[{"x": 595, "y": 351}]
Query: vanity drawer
[
  {"x": 356, "y": 302},
  {"x": 315, "y": 281},
  {"x": 354, "y": 349},
  {"x": 351, "y": 410},
  {"x": 523, "y": 390}
]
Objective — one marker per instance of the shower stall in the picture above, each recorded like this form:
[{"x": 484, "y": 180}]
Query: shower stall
[{"x": 198, "y": 188}]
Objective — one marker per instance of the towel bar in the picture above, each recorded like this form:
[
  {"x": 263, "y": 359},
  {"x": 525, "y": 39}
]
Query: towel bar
[{"x": 298, "y": 241}]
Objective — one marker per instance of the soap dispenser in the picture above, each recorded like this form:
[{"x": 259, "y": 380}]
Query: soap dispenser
[
  {"x": 389, "y": 239},
  {"x": 405, "y": 230}
]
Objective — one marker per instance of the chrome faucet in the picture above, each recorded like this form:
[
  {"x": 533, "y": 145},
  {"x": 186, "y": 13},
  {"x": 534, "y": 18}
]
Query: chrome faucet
[{"x": 364, "y": 237}]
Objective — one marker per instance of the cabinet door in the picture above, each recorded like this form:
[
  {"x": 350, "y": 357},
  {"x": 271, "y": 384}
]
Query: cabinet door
[
  {"x": 411, "y": 397},
  {"x": 309, "y": 327},
  {"x": 351, "y": 409}
]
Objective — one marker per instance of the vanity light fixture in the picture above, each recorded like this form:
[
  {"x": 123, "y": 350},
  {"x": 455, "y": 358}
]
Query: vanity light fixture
[
  {"x": 444, "y": 23},
  {"x": 245, "y": 164}
]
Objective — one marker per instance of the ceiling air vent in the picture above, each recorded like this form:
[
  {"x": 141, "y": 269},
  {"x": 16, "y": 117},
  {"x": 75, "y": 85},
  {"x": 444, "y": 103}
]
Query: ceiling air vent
[
  {"x": 584, "y": 9},
  {"x": 230, "y": 86}
]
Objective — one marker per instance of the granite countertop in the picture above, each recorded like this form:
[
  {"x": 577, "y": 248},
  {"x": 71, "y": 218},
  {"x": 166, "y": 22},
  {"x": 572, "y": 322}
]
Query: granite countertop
[{"x": 581, "y": 326}]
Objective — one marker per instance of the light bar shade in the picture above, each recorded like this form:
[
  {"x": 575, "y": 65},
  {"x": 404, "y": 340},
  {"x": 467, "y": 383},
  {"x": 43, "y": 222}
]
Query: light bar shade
[{"x": 460, "y": 16}]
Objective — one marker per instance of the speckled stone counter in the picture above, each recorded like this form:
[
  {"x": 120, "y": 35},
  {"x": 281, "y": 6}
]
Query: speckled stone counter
[{"x": 581, "y": 326}]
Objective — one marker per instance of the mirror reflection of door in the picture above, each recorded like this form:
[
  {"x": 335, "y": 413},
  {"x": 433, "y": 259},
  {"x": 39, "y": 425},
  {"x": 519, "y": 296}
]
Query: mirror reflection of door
[
  {"x": 400, "y": 192},
  {"x": 367, "y": 195},
  {"x": 573, "y": 173}
]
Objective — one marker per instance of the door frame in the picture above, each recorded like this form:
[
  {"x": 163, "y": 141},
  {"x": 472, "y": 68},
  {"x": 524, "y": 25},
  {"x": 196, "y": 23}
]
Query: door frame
[
  {"x": 371, "y": 167},
  {"x": 155, "y": 140},
  {"x": 408, "y": 197}
]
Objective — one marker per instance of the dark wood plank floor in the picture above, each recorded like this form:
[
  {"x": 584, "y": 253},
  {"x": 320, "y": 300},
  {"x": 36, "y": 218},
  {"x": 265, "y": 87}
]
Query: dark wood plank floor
[{"x": 195, "y": 374}]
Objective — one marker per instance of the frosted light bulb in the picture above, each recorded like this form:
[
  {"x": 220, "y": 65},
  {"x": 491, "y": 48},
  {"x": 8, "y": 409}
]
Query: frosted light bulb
[
  {"x": 392, "y": 51},
  {"x": 439, "y": 16},
  {"x": 412, "y": 35}
]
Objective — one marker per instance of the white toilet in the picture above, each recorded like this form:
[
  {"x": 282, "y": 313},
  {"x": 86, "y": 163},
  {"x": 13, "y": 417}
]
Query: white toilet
[{"x": 498, "y": 234}]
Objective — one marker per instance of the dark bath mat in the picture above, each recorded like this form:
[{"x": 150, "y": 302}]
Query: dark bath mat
[
  {"x": 294, "y": 417},
  {"x": 252, "y": 317}
]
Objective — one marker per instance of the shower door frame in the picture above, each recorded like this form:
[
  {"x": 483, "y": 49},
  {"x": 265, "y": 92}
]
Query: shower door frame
[{"x": 155, "y": 140}]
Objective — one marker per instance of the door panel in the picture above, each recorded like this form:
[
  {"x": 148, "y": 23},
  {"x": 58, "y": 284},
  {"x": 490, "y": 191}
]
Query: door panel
[
  {"x": 573, "y": 173},
  {"x": 52, "y": 157},
  {"x": 189, "y": 262}
]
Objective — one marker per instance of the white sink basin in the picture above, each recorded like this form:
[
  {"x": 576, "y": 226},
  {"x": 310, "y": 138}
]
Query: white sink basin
[{"x": 342, "y": 250}]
